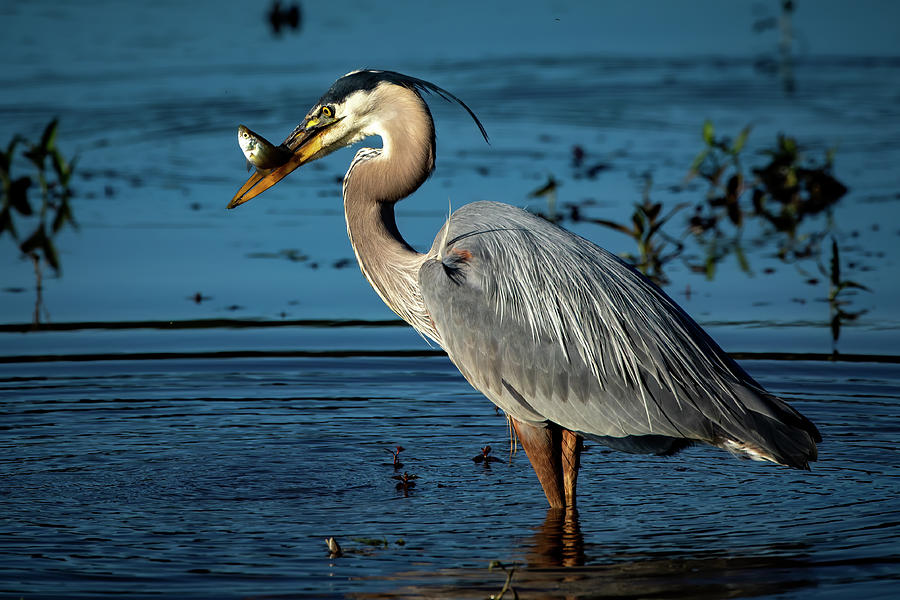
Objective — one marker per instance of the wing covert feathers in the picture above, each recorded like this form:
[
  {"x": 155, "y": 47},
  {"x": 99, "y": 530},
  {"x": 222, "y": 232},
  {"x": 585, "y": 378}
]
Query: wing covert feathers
[{"x": 551, "y": 327}]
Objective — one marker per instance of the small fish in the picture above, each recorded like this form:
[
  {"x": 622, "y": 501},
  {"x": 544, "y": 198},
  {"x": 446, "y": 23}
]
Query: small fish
[{"x": 260, "y": 152}]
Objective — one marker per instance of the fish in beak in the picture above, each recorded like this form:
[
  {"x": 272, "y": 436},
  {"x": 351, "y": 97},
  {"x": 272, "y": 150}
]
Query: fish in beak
[
  {"x": 260, "y": 152},
  {"x": 305, "y": 144},
  {"x": 260, "y": 181}
]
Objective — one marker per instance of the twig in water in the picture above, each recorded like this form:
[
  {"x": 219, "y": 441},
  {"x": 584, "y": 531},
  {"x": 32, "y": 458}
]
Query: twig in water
[{"x": 507, "y": 586}]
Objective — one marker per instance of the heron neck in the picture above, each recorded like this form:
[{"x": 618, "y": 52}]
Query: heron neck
[
  {"x": 387, "y": 261},
  {"x": 378, "y": 178}
]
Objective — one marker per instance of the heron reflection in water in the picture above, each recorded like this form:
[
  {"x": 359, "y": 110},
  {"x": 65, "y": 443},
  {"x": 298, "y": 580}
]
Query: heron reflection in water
[{"x": 569, "y": 340}]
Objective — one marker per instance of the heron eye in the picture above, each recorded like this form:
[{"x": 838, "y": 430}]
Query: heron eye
[{"x": 327, "y": 111}]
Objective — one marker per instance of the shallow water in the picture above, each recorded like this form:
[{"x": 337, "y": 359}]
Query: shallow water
[
  {"x": 216, "y": 475},
  {"x": 156, "y": 442}
]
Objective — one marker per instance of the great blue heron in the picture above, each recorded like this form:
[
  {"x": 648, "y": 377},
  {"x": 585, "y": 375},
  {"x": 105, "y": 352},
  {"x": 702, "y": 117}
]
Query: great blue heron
[{"x": 569, "y": 340}]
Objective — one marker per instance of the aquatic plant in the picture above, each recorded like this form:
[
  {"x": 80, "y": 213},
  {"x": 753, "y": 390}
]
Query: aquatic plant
[
  {"x": 405, "y": 482},
  {"x": 784, "y": 193},
  {"x": 582, "y": 169},
  {"x": 646, "y": 230},
  {"x": 787, "y": 191},
  {"x": 507, "y": 585},
  {"x": 779, "y": 196},
  {"x": 485, "y": 457},
  {"x": 54, "y": 212},
  {"x": 772, "y": 200},
  {"x": 719, "y": 164},
  {"x": 396, "y": 454},
  {"x": 837, "y": 297},
  {"x": 547, "y": 191},
  {"x": 782, "y": 62}
]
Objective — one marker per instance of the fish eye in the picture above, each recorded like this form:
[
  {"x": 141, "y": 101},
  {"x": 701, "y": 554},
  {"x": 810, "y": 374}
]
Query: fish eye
[{"x": 327, "y": 111}]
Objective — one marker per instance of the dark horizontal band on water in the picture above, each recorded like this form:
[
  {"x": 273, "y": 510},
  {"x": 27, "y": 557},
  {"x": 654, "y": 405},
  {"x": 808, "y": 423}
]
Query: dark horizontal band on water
[
  {"x": 197, "y": 324},
  {"x": 313, "y": 323},
  {"x": 227, "y": 354},
  {"x": 262, "y": 323},
  {"x": 232, "y": 354}
]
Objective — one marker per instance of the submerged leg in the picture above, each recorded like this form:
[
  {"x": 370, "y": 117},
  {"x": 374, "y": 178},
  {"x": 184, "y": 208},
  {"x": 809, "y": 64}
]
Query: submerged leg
[
  {"x": 542, "y": 445},
  {"x": 572, "y": 443}
]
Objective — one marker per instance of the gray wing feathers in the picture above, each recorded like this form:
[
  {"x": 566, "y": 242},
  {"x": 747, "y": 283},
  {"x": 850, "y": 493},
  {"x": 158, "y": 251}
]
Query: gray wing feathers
[{"x": 553, "y": 328}]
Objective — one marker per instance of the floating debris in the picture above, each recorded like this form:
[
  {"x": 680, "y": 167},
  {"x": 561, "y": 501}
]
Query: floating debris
[
  {"x": 507, "y": 586},
  {"x": 405, "y": 482},
  {"x": 334, "y": 548},
  {"x": 367, "y": 546},
  {"x": 485, "y": 457},
  {"x": 292, "y": 254},
  {"x": 383, "y": 543},
  {"x": 396, "y": 453}
]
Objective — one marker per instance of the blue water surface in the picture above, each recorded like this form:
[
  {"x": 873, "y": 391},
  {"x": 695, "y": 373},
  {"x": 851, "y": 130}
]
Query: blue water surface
[{"x": 212, "y": 393}]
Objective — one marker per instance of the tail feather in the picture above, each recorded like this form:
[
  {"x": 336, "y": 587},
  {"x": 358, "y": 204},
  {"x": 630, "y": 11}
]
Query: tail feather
[{"x": 778, "y": 434}]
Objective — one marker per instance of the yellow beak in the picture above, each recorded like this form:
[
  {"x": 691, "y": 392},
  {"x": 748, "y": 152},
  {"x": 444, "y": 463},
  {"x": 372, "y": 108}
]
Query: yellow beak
[{"x": 261, "y": 181}]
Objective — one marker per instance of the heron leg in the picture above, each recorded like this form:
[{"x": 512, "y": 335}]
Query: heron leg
[
  {"x": 543, "y": 445},
  {"x": 572, "y": 444}
]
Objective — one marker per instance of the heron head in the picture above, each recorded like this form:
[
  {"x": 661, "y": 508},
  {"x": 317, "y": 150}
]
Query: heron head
[{"x": 358, "y": 105}]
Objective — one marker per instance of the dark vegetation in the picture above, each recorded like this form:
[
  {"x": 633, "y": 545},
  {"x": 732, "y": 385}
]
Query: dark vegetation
[
  {"x": 510, "y": 570},
  {"x": 36, "y": 205},
  {"x": 484, "y": 457},
  {"x": 289, "y": 17},
  {"x": 838, "y": 293},
  {"x": 764, "y": 206}
]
